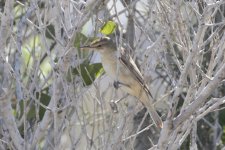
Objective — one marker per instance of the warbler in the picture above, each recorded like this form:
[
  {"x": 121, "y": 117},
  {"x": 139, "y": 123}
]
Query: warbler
[{"x": 123, "y": 70}]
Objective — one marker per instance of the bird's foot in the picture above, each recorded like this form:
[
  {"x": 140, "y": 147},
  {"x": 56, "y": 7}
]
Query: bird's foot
[
  {"x": 116, "y": 84},
  {"x": 113, "y": 106},
  {"x": 113, "y": 103}
]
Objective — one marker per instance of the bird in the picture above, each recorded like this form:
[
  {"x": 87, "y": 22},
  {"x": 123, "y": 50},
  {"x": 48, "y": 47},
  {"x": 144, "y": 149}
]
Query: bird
[{"x": 123, "y": 70}]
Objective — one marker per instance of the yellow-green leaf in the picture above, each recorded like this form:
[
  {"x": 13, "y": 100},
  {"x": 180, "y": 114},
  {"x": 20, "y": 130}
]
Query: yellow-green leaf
[
  {"x": 89, "y": 72},
  {"x": 108, "y": 28}
]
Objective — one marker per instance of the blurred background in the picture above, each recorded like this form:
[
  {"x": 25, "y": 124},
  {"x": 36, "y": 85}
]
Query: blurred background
[{"x": 55, "y": 96}]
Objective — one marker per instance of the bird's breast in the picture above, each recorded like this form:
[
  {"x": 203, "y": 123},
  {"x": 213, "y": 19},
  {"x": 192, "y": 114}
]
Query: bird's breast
[
  {"x": 109, "y": 64},
  {"x": 123, "y": 75}
]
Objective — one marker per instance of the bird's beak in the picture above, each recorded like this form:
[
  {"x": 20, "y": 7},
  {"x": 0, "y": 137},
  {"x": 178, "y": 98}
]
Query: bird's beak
[{"x": 85, "y": 47}]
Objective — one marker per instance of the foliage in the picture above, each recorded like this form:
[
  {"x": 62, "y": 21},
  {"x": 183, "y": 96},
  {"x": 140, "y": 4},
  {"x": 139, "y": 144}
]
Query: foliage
[
  {"x": 108, "y": 28},
  {"x": 52, "y": 95}
]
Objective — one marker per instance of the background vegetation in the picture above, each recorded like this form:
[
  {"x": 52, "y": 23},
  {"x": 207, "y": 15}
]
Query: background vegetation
[{"x": 54, "y": 96}]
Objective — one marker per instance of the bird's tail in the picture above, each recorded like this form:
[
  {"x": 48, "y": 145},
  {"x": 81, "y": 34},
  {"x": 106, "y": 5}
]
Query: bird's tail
[
  {"x": 147, "y": 101},
  {"x": 155, "y": 117}
]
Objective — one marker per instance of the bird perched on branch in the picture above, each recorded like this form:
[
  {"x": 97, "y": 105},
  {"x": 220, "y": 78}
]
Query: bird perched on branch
[{"x": 125, "y": 72}]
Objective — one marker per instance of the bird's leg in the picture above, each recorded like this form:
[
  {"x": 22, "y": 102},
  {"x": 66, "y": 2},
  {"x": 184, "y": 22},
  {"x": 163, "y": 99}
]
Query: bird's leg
[
  {"x": 113, "y": 103},
  {"x": 117, "y": 101},
  {"x": 117, "y": 84}
]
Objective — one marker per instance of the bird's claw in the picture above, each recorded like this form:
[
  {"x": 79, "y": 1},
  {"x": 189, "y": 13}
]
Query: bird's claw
[
  {"x": 116, "y": 84},
  {"x": 114, "y": 106}
]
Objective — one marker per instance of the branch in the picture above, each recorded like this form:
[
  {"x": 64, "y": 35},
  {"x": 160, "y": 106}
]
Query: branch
[{"x": 202, "y": 98}]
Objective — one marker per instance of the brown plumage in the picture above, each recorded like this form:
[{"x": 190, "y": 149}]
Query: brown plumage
[{"x": 127, "y": 73}]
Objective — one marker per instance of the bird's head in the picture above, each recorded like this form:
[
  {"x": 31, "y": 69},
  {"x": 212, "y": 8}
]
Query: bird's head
[{"x": 102, "y": 45}]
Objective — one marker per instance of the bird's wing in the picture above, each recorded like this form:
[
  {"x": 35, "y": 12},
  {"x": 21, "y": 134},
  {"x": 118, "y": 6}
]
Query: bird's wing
[{"x": 129, "y": 63}]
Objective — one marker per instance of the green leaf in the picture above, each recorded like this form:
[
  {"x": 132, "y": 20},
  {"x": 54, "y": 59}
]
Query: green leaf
[
  {"x": 31, "y": 115},
  {"x": 108, "y": 28},
  {"x": 80, "y": 38},
  {"x": 223, "y": 135},
  {"x": 89, "y": 72},
  {"x": 50, "y": 32}
]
